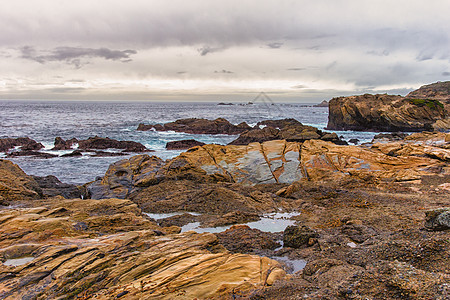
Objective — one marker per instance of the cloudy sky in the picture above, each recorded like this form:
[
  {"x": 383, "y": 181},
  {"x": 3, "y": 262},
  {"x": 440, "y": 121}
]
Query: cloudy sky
[{"x": 303, "y": 51}]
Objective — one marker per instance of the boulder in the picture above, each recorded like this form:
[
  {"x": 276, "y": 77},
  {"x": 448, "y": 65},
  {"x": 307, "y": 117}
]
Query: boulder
[
  {"x": 383, "y": 112},
  {"x": 107, "y": 143},
  {"x": 24, "y": 143},
  {"x": 183, "y": 144},
  {"x": 199, "y": 126},
  {"x": 299, "y": 236},
  {"x": 15, "y": 185},
  {"x": 437, "y": 219}
]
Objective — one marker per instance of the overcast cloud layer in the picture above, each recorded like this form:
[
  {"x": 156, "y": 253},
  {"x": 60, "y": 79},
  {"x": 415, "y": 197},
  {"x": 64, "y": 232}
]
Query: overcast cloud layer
[{"x": 220, "y": 50}]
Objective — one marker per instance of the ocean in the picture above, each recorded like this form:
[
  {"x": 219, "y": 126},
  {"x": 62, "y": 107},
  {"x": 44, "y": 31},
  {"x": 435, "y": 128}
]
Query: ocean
[{"x": 45, "y": 120}]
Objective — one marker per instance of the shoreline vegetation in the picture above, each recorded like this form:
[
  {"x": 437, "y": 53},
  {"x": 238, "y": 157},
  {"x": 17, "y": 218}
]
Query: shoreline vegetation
[{"x": 369, "y": 221}]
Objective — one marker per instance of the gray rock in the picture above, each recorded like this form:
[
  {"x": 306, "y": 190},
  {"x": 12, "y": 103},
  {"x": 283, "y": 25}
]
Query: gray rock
[{"x": 437, "y": 219}]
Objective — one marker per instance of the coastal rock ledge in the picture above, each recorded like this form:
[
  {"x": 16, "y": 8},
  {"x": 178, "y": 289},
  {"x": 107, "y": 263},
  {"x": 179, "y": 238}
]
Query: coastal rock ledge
[{"x": 384, "y": 112}]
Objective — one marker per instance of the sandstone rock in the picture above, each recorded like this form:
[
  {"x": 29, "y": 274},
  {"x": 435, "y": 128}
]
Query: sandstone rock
[
  {"x": 122, "y": 176},
  {"x": 183, "y": 144},
  {"x": 298, "y": 236},
  {"x": 199, "y": 126},
  {"x": 15, "y": 185},
  {"x": 106, "y": 143},
  {"x": 384, "y": 113},
  {"x": 437, "y": 219},
  {"x": 279, "y": 162},
  {"x": 24, "y": 143},
  {"x": 127, "y": 257}
]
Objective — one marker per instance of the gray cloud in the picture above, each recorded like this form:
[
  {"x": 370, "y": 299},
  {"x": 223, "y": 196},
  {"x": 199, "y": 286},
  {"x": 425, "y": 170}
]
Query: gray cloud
[
  {"x": 296, "y": 69},
  {"x": 73, "y": 55},
  {"x": 275, "y": 45},
  {"x": 207, "y": 49},
  {"x": 445, "y": 73}
]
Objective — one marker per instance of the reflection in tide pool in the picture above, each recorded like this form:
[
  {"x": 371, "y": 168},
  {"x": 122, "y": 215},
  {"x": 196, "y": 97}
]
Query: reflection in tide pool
[
  {"x": 269, "y": 223},
  {"x": 14, "y": 262},
  {"x": 294, "y": 265}
]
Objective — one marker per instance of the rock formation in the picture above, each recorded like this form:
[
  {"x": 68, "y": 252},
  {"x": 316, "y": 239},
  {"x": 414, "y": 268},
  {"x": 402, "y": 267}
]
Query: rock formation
[
  {"x": 106, "y": 249},
  {"x": 24, "y": 143},
  {"x": 199, "y": 126},
  {"x": 284, "y": 129},
  {"x": 107, "y": 143},
  {"x": 183, "y": 144},
  {"x": 385, "y": 113}
]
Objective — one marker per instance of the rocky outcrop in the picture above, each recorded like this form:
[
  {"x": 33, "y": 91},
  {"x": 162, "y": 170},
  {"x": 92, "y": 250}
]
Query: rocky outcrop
[
  {"x": 436, "y": 91},
  {"x": 106, "y": 249},
  {"x": 324, "y": 103},
  {"x": 276, "y": 162},
  {"x": 24, "y": 143},
  {"x": 384, "y": 113},
  {"x": 199, "y": 126},
  {"x": 290, "y": 130},
  {"x": 107, "y": 143},
  {"x": 61, "y": 144},
  {"x": 15, "y": 185},
  {"x": 183, "y": 144},
  {"x": 52, "y": 186}
]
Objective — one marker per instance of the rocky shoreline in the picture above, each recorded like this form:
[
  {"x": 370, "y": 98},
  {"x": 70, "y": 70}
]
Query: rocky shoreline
[{"x": 369, "y": 221}]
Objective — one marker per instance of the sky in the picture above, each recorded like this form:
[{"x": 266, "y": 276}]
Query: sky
[{"x": 211, "y": 50}]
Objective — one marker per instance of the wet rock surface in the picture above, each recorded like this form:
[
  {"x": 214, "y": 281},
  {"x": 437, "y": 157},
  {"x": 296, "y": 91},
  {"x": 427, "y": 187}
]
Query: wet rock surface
[
  {"x": 199, "y": 126},
  {"x": 107, "y": 143},
  {"x": 183, "y": 144},
  {"x": 372, "y": 215},
  {"x": 24, "y": 143},
  {"x": 105, "y": 249}
]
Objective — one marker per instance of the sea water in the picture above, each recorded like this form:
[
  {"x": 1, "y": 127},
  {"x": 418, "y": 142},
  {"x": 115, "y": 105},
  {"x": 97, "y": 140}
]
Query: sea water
[{"x": 45, "y": 120}]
